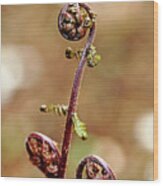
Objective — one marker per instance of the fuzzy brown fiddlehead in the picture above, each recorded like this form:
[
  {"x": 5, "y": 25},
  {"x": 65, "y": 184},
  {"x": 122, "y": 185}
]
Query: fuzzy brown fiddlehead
[
  {"x": 74, "y": 20},
  {"x": 43, "y": 153},
  {"x": 94, "y": 168}
]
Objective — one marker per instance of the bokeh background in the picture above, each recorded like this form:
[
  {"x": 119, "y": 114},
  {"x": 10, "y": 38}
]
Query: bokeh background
[{"x": 116, "y": 99}]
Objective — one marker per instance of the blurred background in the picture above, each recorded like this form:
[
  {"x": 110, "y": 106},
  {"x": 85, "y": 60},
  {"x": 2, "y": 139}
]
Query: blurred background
[{"x": 116, "y": 99}]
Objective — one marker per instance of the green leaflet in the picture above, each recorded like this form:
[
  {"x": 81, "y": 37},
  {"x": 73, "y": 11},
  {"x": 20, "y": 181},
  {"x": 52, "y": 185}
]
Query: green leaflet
[
  {"x": 61, "y": 110},
  {"x": 79, "y": 127},
  {"x": 92, "y": 57}
]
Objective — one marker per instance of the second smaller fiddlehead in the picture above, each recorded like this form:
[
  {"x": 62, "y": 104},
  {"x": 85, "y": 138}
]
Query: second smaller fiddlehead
[
  {"x": 43, "y": 153},
  {"x": 95, "y": 168}
]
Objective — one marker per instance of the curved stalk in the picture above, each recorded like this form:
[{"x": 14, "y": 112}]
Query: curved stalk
[{"x": 73, "y": 102}]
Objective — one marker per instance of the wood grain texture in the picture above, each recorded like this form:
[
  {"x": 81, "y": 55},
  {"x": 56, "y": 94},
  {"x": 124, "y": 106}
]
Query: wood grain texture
[{"x": 155, "y": 90}]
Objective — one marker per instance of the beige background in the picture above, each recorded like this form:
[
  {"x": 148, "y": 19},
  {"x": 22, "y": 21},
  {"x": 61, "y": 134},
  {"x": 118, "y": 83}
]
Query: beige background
[{"x": 116, "y": 99}]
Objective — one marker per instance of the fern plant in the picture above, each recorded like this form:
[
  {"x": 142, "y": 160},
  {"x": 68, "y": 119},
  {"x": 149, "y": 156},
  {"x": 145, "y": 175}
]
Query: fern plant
[{"x": 74, "y": 20}]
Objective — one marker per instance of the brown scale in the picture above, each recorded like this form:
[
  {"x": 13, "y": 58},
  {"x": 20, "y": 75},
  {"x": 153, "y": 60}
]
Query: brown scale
[
  {"x": 93, "y": 171},
  {"x": 35, "y": 146},
  {"x": 36, "y": 161},
  {"x": 51, "y": 168}
]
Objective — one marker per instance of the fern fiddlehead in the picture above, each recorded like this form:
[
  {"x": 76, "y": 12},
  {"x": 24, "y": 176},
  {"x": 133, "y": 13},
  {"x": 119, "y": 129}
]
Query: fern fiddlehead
[
  {"x": 43, "y": 153},
  {"x": 94, "y": 168},
  {"x": 74, "y": 20}
]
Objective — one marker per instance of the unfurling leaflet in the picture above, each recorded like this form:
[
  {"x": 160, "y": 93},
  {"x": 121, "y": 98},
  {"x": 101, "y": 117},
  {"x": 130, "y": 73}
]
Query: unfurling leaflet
[
  {"x": 61, "y": 110},
  {"x": 79, "y": 127}
]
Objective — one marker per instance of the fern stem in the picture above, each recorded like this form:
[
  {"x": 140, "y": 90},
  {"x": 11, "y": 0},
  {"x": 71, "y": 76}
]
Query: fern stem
[{"x": 73, "y": 102}]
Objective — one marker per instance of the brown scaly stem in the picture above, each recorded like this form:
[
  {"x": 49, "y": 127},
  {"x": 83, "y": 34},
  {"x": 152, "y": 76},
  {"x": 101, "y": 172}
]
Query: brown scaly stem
[{"x": 73, "y": 102}]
